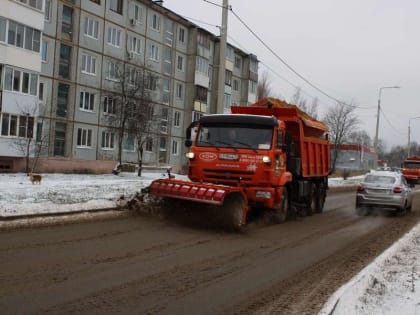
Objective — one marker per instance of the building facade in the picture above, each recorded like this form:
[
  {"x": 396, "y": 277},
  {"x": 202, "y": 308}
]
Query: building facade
[
  {"x": 83, "y": 43},
  {"x": 354, "y": 157}
]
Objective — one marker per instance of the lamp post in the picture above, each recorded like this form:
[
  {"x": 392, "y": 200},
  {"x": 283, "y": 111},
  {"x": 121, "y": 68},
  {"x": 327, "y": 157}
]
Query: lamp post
[
  {"x": 409, "y": 132},
  {"x": 379, "y": 111}
]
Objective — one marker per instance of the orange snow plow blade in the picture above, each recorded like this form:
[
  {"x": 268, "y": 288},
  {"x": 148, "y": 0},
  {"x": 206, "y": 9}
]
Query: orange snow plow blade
[{"x": 198, "y": 192}]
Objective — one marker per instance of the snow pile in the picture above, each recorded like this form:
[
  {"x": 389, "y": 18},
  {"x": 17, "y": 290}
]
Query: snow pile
[{"x": 389, "y": 285}]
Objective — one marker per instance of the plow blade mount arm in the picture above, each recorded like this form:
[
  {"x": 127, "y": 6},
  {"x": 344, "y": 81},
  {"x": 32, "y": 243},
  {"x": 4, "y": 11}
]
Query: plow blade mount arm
[{"x": 186, "y": 190}]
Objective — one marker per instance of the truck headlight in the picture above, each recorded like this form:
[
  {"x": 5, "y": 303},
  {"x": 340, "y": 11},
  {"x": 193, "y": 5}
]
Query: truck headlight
[
  {"x": 263, "y": 194},
  {"x": 189, "y": 155},
  {"x": 266, "y": 159}
]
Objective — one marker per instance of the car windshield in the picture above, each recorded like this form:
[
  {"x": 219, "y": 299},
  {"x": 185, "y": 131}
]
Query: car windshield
[
  {"x": 234, "y": 137},
  {"x": 380, "y": 179}
]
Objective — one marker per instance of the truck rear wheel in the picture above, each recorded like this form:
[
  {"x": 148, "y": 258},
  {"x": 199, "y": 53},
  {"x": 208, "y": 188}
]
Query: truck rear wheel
[
  {"x": 322, "y": 194},
  {"x": 281, "y": 210}
]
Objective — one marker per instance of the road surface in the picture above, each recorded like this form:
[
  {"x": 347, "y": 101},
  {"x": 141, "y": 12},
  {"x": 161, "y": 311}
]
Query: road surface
[{"x": 150, "y": 264}]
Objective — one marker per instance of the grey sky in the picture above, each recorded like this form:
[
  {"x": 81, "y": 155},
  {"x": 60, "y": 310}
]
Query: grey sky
[{"x": 349, "y": 49}]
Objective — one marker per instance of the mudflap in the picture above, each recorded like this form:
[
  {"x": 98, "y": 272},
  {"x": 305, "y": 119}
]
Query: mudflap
[{"x": 232, "y": 200}]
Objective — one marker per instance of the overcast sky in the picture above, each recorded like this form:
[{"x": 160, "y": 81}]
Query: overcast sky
[{"x": 349, "y": 49}]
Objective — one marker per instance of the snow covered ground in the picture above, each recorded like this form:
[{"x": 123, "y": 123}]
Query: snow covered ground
[{"x": 389, "y": 285}]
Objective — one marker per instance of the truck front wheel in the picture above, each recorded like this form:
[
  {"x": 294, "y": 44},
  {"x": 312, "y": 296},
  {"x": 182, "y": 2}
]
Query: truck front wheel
[{"x": 281, "y": 210}]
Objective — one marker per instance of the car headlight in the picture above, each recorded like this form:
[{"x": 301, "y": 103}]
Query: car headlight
[{"x": 189, "y": 155}]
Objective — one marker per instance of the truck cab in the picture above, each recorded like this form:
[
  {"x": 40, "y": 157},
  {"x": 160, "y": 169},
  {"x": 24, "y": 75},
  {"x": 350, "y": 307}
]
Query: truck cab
[{"x": 411, "y": 170}]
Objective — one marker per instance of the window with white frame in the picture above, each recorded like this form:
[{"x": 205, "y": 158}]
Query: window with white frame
[
  {"x": 88, "y": 64},
  {"x": 112, "y": 71},
  {"x": 253, "y": 65},
  {"x": 202, "y": 65},
  {"x": 227, "y": 101},
  {"x": 91, "y": 28},
  {"x": 180, "y": 63},
  {"x": 47, "y": 11},
  {"x": 167, "y": 60},
  {"x": 151, "y": 82},
  {"x": 181, "y": 35},
  {"x": 138, "y": 13},
  {"x": 155, "y": 22},
  {"x": 252, "y": 86},
  {"x": 37, "y": 4},
  {"x": 153, "y": 52},
  {"x": 116, "y": 6},
  {"x": 84, "y": 137},
  {"x": 149, "y": 145},
  {"x": 164, "y": 120},
  {"x": 238, "y": 62},
  {"x": 20, "y": 81},
  {"x": 109, "y": 105},
  {"x": 175, "y": 147},
  {"x": 177, "y": 118},
  {"x": 135, "y": 45},
  {"x": 44, "y": 50},
  {"x": 196, "y": 115},
  {"x": 107, "y": 141},
  {"x": 114, "y": 37},
  {"x": 229, "y": 53},
  {"x": 179, "y": 90},
  {"x": 87, "y": 101},
  {"x": 166, "y": 90},
  {"x": 16, "y": 125},
  {"x": 20, "y": 35}
]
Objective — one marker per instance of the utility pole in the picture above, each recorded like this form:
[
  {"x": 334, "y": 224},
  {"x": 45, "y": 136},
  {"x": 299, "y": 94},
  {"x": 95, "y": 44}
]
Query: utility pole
[{"x": 222, "y": 60}]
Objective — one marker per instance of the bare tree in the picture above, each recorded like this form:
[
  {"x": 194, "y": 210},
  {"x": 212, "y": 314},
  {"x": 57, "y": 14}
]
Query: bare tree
[
  {"x": 132, "y": 101},
  {"x": 26, "y": 143},
  {"x": 361, "y": 137},
  {"x": 311, "y": 109},
  {"x": 341, "y": 121},
  {"x": 263, "y": 88}
]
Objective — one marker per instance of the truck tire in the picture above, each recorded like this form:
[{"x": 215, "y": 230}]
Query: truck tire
[
  {"x": 313, "y": 200},
  {"x": 322, "y": 194},
  {"x": 281, "y": 210},
  {"x": 233, "y": 207}
]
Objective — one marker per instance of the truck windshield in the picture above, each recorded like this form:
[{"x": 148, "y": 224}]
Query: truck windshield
[
  {"x": 411, "y": 164},
  {"x": 234, "y": 137}
]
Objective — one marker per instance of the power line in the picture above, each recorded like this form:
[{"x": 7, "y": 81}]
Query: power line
[
  {"x": 391, "y": 125},
  {"x": 290, "y": 67}
]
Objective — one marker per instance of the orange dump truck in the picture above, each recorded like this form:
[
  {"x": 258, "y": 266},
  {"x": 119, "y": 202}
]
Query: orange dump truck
[
  {"x": 269, "y": 155},
  {"x": 411, "y": 170}
]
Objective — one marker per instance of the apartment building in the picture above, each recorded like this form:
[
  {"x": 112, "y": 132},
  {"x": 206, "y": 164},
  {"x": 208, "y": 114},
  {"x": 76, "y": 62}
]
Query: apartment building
[
  {"x": 21, "y": 24},
  {"x": 83, "y": 43}
]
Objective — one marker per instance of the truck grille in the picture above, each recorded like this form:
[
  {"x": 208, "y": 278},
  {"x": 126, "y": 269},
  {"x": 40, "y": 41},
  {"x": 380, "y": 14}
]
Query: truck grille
[{"x": 228, "y": 176}]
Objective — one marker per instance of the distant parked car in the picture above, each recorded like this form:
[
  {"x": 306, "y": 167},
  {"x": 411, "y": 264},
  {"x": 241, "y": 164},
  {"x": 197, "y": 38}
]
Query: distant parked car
[{"x": 383, "y": 189}]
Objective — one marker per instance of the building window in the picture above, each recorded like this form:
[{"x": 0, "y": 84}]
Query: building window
[
  {"x": 180, "y": 63},
  {"x": 203, "y": 40},
  {"x": 62, "y": 99},
  {"x": 253, "y": 66},
  {"x": 17, "y": 126},
  {"x": 164, "y": 120},
  {"x": 87, "y": 101},
  {"x": 37, "y": 4},
  {"x": 112, "y": 71},
  {"x": 151, "y": 82},
  {"x": 227, "y": 101},
  {"x": 175, "y": 147},
  {"x": 91, "y": 28},
  {"x": 235, "y": 85},
  {"x": 60, "y": 137},
  {"x": 67, "y": 20},
  {"x": 165, "y": 91},
  {"x": 44, "y": 50},
  {"x": 155, "y": 22},
  {"x": 177, "y": 119},
  {"x": 179, "y": 90},
  {"x": 238, "y": 62},
  {"x": 109, "y": 105},
  {"x": 138, "y": 14},
  {"x": 252, "y": 87},
  {"x": 228, "y": 77},
  {"x": 202, "y": 65},
  {"x": 15, "y": 34},
  {"x": 88, "y": 64},
  {"x": 20, "y": 81},
  {"x": 114, "y": 37},
  {"x": 129, "y": 142},
  {"x": 135, "y": 45},
  {"x": 181, "y": 35},
  {"x": 26, "y": 127},
  {"x": 32, "y": 39},
  {"x": 196, "y": 116},
  {"x": 116, "y": 6},
  {"x": 229, "y": 53},
  {"x": 153, "y": 52},
  {"x": 41, "y": 91},
  {"x": 19, "y": 35},
  {"x": 169, "y": 27},
  {"x": 96, "y": 1},
  {"x": 47, "y": 12},
  {"x": 3, "y": 24},
  {"x": 107, "y": 140},
  {"x": 64, "y": 66},
  {"x": 84, "y": 137},
  {"x": 201, "y": 94},
  {"x": 149, "y": 145}
]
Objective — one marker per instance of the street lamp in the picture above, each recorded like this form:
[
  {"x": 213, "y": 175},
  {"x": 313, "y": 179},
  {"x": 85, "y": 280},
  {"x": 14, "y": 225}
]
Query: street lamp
[
  {"x": 379, "y": 111},
  {"x": 409, "y": 131}
]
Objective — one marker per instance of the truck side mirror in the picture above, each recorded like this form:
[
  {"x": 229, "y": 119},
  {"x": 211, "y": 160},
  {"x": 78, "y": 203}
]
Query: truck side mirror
[{"x": 188, "y": 143}]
